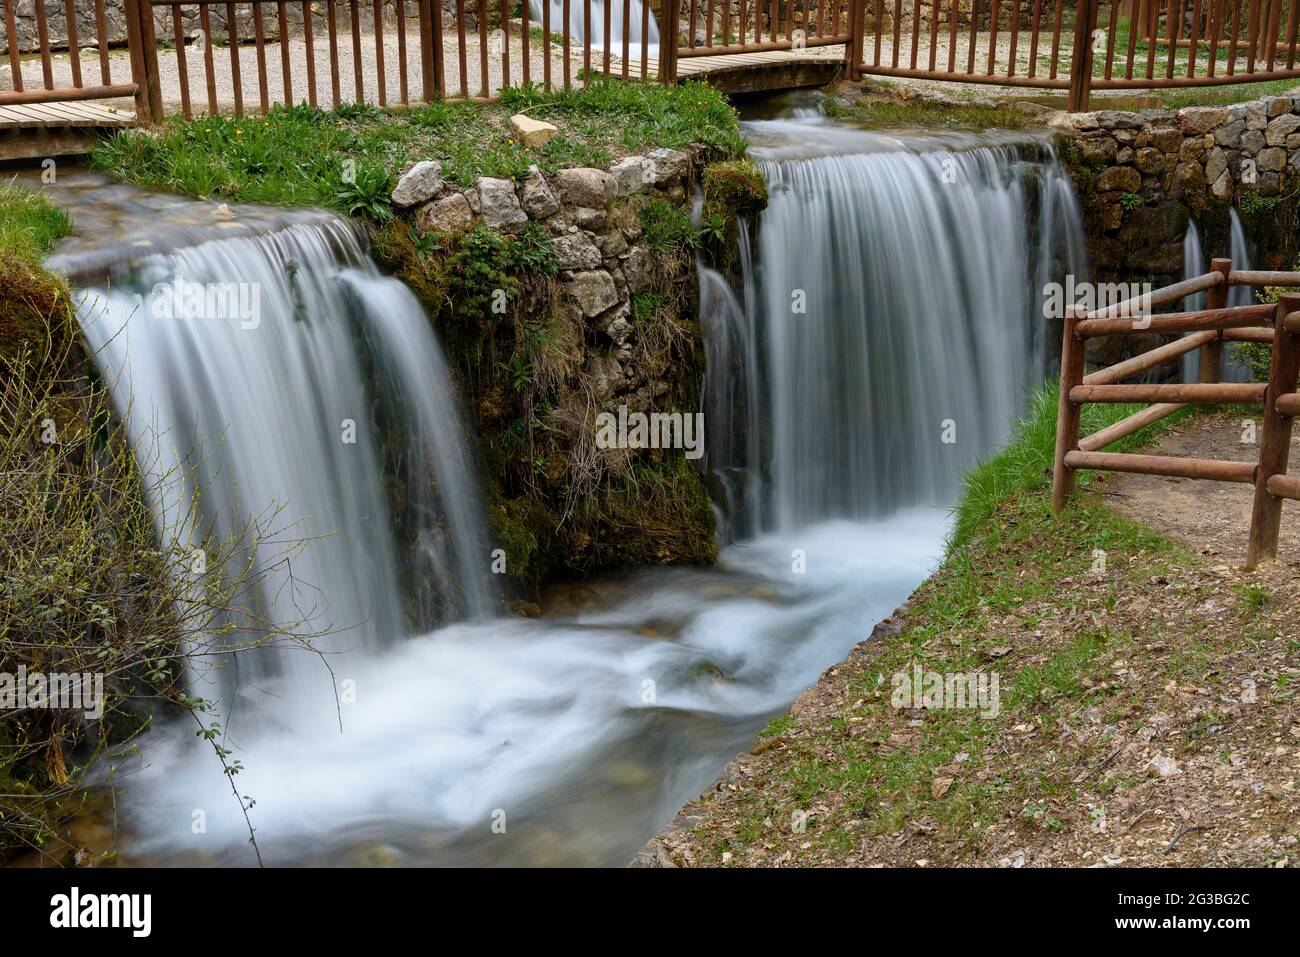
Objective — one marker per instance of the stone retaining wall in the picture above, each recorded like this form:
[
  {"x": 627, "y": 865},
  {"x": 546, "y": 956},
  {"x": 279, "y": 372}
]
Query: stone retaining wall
[
  {"x": 597, "y": 250},
  {"x": 1140, "y": 176}
]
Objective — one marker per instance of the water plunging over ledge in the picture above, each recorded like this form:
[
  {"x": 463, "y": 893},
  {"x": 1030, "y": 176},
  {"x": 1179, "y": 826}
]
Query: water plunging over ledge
[
  {"x": 582, "y": 732},
  {"x": 891, "y": 323}
]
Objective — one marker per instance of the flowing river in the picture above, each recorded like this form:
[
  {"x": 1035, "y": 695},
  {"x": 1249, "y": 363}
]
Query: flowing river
[{"x": 570, "y": 739}]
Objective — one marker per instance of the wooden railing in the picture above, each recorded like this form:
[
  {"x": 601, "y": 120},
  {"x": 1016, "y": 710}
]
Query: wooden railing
[
  {"x": 711, "y": 27},
  {"x": 1206, "y": 329},
  {"x": 1080, "y": 45},
  {"x": 80, "y": 84},
  {"x": 246, "y": 56}
]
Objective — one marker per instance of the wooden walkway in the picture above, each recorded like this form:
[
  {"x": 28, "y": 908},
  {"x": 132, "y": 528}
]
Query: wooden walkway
[
  {"x": 70, "y": 113},
  {"x": 762, "y": 71},
  {"x": 38, "y": 130}
]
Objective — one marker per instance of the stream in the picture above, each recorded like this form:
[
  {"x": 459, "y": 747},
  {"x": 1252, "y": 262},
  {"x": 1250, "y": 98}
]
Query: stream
[{"x": 569, "y": 739}]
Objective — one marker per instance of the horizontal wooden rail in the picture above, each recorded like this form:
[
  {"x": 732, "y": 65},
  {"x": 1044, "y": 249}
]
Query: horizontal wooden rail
[
  {"x": 1150, "y": 359},
  {"x": 1044, "y": 83},
  {"x": 1140, "y": 305},
  {"x": 1284, "y": 486},
  {"x": 67, "y": 94},
  {"x": 1126, "y": 427},
  {"x": 1172, "y": 466},
  {"x": 1165, "y": 83},
  {"x": 1288, "y": 404},
  {"x": 1260, "y": 314},
  {"x": 1255, "y": 277},
  {"x": 687, "y": 52},
  {"x": 1202, "y": 393},
  {"x": 1264, "y": 336},
  {"x": 1291, "y": 323}
]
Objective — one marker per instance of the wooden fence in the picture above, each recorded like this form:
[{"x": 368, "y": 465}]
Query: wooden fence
[
  {"x": 246, "y": 56},
  {"x": 213, "y": 55},
  {"x": 1082, "y": 45},
  {"x": 1207, "y": 329},
  {"x": 752, "y": 26}
]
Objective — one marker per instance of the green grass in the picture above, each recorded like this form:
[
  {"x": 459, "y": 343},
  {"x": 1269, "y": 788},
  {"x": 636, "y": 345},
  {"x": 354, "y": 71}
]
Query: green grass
[
  {"x": 1026, "y": 463},
  {"x": 301, "y": 156},
  {"x": 29, "y": 225}
]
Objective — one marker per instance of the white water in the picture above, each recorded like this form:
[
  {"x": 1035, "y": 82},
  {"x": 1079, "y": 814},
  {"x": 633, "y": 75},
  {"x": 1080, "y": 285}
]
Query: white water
[
  {"x": 1196, "y": 263},
  {"x": 617, "y": 30},
  {"x": 586, "y": 730},
  {"x": 255, "y": 408},
  {"x": 892, "y": 324}
]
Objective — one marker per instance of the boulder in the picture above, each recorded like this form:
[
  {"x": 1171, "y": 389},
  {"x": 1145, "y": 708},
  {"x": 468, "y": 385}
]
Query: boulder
[
  {"x": 418, "y": 185},
  {"x": 1123, "y": 178},
  {"x": 593, "y": 291},
  {"x": 533, "y": 133},
  {"x": 1167, "y": 140},
  {"x": 575, "y": 252},
  {"x": 1097, "y": 148},
  {"x": 1222, "y": 186},
  {"x": 1272, "y": 158},
  {"x": 1280, "y": 128},
  {"x": 669, "y": 167},
  {"x": 452, "y": 212},
  {"x": 1195, "y": 120},
  {"x": 638, "y": 269},
  {"x": 498, "y": 204},
  {"x": 538, "y": 200},
  {"x": 583, "y": 186},
  {"x": 631, "y": 175},
  {"x": 1149, "y": 160}
]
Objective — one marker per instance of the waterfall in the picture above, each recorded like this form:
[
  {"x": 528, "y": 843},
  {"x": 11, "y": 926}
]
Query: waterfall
[
  {"x": 282, "y": 370},
  {"x": 891, "y": 324},
  {"x": 1195, "y": 263},
  {"x": 636, "y": 15}
]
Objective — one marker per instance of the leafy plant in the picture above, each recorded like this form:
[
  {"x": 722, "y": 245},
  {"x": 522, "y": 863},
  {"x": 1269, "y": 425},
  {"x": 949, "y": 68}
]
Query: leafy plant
[{"x": 367, "y": 192}]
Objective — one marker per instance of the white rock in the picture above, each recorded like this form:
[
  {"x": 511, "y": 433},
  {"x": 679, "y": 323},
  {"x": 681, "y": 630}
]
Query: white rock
[
  {"x": 498, "y": 204},
  {"x": 418, "y": 185},
  {"x": 443, "y": 215},
  {"x": 534, "y": 133}
]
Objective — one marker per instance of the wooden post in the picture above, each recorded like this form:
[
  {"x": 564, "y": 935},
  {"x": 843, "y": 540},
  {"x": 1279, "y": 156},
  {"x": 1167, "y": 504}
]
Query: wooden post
[
  {"x": 1275, "y": 444},
  {"x": 853, "y": 49},
  {"x": 430, "y": 75},
  {"x": 1081, "y": 65},
  {"x": 142, "y": 44},
  {"x": 139, "y": 68},
  {"x": 1217, "y": 298},
  {"x": 668, "y": 41},
  {"x": 1067, "y": 412}
]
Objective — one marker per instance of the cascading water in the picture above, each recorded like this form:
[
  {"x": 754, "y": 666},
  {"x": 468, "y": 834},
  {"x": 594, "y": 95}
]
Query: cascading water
[
  {"x": 640, "y": 24},
  {"x": 279, "y": 370},
  {"x": 582, "y": 732},
  {"x": 892, "y": 321},
  {"x": 1195, "y": 263}
]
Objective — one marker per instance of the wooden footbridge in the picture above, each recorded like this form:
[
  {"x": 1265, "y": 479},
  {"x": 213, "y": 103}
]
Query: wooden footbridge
[{"x": 73, "y": 65}]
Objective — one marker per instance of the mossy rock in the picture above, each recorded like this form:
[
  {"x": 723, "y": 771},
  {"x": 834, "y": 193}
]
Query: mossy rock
[
  {"x": 35, "y": 309},
  {"x": 736, "y": 187}
]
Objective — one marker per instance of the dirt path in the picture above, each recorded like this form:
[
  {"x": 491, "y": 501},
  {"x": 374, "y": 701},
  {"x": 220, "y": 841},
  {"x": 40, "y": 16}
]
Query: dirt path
[{"x": 1211, "y": 517}]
